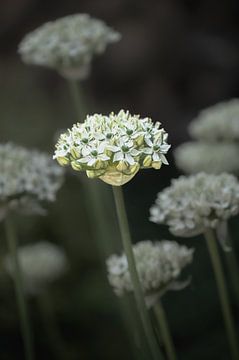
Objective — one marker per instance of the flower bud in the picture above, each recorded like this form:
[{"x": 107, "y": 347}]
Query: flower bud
[
  {"x": 147, "y": 161},
  {"x": 122, "y": 166},
  {"x": 156, "y": 164},
  {"x": 63, "y": 161}
]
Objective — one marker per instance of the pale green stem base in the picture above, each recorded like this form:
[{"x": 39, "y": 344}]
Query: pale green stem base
[
  {"x": 164, "y": 331},
  {"x": 222, "y": 289},
  {"x": 24, "y": 321},
  {"x": 126, "y": 239}
]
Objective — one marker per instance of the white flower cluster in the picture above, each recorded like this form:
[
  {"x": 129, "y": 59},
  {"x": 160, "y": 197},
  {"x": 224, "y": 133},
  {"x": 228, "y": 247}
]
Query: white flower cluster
[
  {"x": 159, "y": 265},
  {"x": 197, "y": 202},
  {"x": 26, "y": 177},
  {"x": 213, "y": 158},
  {"x": 67, "y": 44},
  {"x": 41, "y": 264},
  {"x": 218, "y": 122},
  {"x": 114, "y": 147}
]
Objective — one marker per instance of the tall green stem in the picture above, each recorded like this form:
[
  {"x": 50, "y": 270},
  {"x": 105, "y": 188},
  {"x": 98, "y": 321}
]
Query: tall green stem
[
  {"x": 231, "y": 260},
  {"x": 77, "y": 99},
  {"x": 126, "y": 239},
  {"x": 164, "y": 330},
  {"x": 222, "y": 289},
  {"x": 25, "y": 325}
]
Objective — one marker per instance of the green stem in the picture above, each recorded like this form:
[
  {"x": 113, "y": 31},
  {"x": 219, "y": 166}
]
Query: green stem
[
  {"x": 231, "y": 260},
  {"x": 126, "y": 239},
  {"x": 221, "y": 284},
  {"x": 164, "y": 330},
  {"x": 77, "y": 99},
  {"x": 25, "y": 325},
  {"x": 50, "y": 326}
]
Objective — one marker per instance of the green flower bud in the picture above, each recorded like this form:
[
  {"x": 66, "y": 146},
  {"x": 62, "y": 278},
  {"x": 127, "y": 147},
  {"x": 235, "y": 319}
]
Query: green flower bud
[
  {"x": 75, "y": 154},
  {"x": 147, "y": 161},
  {"x": 63, "y": 161},
  {"x": 76, "y": 165},
  {"x": 122, "y": 166}
]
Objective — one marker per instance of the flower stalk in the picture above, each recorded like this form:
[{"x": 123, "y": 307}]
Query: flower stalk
[
  {"x": 22, "y": 308},
  {"x": 77, "y": 98},
  {"x": 126, "y": 239},
  {"x": 164, "y": 330},
  {"x": 223, "y": 294}
]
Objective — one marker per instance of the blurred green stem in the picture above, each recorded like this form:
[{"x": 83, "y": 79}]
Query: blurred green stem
[
  {"x": 22, "y": 308},
  {"x": 77, "y": 97},
  {"x": 222, "y": 289},
  {"x": 164, "y": 331},
  {"x": 231, "y": 259},
  {"x": 127, "y": 244},
  {"x": 50, "y": 326}
]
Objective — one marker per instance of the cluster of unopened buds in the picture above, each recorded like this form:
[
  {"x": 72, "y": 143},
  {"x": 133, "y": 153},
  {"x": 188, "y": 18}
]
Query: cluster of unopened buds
[{"x": 114, "y": 147}]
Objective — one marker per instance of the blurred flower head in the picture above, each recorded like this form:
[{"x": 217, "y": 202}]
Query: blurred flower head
[
  {"x": 41, "y": 264},
  {"x": 218, "y": 122},
  {"x": 114, "y": 147},
  {"x": 67, "y": 44},
  {"x": 159, "y": 265},
  {"x": 197, "y": 202},
  {"x": 212, "y": 158},
  {"x": 27, "y": 178}
]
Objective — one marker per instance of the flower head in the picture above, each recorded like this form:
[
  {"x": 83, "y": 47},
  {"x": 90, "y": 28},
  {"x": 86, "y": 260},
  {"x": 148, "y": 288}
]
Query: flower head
[
  {"x": 67, "y": 44},
  {"x": 114, "y": 147},
  {"x": 27, "y": 178},
  {"x": 218, "y": 122},
  {"x": 212, "y": 158},
  {"x": 41, "y": 264},
  {"x": 197, "y": 202},
  {"x": 159, "y": 266}
]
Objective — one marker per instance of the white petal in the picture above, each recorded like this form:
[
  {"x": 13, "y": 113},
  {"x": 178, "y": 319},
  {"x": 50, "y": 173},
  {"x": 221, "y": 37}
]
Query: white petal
[
  {"x": 148, "y": 141},
  {"x": 156, "y": 157},
  {"x": 118, "y": 156},
  {"x": 164, "y": 160},
  {"x": 148, "y": 151},
  {"x": 129, "y": 159},
  {"x": 113, "y": 148},
  {"x": 85, "y": 159},
  {"x": 85, "y": 151},
  {"x": 135, "y": 152},
  {"x": 104, "y": 157},
  {"x": 91, "y": 162}
]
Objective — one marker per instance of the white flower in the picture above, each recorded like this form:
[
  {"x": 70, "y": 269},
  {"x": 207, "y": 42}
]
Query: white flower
[
  {"x": 67, "y": 44},
  {"x": 159, "y": 265},
  {"x": 27, "y": 178},
  {"x": 218, "y": 122},
  {"x": 197, "y": 202},
  {"x": 212, "y": 158},
  {"x": 41, "y": 264},
  {"x": 124, "y": 151},
  {"x": 114, "y": 147}
]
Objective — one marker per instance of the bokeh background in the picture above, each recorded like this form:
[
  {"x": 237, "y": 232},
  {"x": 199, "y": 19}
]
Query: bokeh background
[{"x": 175, "y": 58}]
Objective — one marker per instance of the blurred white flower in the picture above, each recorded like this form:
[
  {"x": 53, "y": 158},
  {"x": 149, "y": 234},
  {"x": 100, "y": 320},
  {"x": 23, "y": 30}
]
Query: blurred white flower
[
  {"x": 212, "y": 158},
  {"x": 159, "y": 265},
  {"x": 67, "y": 44},
  {"x": 197, "y": 202},
  {"x": 218, "y": 122},
  {"x": 114, "y": 147},
  {"x": 27, "y": 178},
  {"x": 41, "y": 264}
]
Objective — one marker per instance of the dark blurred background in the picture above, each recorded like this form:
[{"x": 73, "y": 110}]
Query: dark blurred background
[{"x": 175, "y": 58}]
